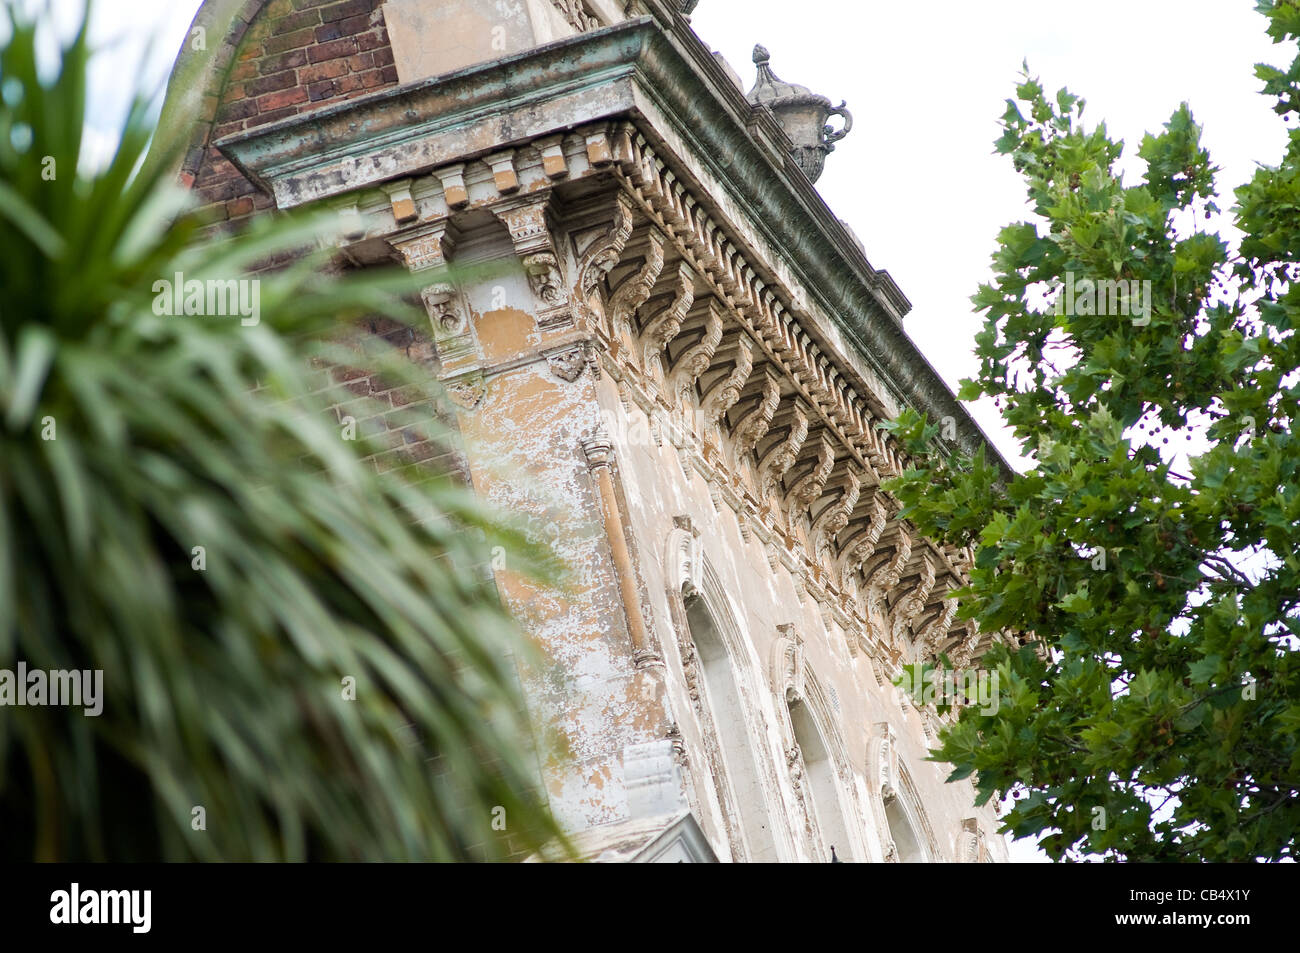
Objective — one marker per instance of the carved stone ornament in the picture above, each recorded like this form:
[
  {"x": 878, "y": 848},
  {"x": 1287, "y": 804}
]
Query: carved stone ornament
[
  {"x": 598, "y": 449},
  {"x": 569, "y": 364},
  {"x": 684, "y": 557},
  {"x": 425, "y": 251},
  {"x": 970, "y": 845},
  {"x": 810, "y": 486},
  {"x": 787, "y": 666},
  {"x": 665, "y": 326},
  {"x": 467, "y": 392},
  {"x": 802, "y": 113},
  {"x": 599, "y": 258},
  {"x": 781, "y": 458},
  {"x": 862, "y": 545},
  {"x": 444, "y": 311},
  {"x": 965, "y": 652},
  {"x": 578, "y": 14},
  {"x": 543, "y": 271},
  {"x": 911, "y": 605},
  {"x": 936, "y": 630},
  {"x": 723, "y": 396},
  {"x": 635, "y": 290},
  {"x": 754, "y": 425},
  {"x": 885, "y": 762},
  {"x": 834, "y": 518},
  {"x": 887, "y": 573},
  {"x": 699, "y": 356}
]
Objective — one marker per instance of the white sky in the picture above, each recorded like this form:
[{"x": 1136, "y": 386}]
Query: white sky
[{"x": 926, "y": 81}]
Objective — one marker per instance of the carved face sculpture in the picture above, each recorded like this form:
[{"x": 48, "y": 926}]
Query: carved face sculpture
[
  {"x": 441, "y": 305},
  {"x": 544, "y": 277}
]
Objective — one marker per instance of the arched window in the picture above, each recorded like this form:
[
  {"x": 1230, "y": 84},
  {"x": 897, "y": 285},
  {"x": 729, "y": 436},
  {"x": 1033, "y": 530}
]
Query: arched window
[
  {"x": 905, "y": 833},
  {"x": 906, "y": 843},
  {"x": 825, "y": 801},
  {"x": 722, "y": 692},
  {"x": 816, "y": 755}
]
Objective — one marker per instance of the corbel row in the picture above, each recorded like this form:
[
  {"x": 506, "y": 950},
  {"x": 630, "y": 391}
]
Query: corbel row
[
  {"x": 695, "y": 353},
  {"x": 721, "y": 265},
  {"x": 680, "y": 306}
]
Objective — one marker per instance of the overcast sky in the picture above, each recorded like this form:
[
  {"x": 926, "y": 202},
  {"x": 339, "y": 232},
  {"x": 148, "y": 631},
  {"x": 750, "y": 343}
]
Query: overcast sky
[{"x": 926, "y": 81}]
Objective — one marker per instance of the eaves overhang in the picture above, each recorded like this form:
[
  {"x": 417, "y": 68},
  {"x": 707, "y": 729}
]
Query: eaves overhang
[{"x": 656, "y": 72}]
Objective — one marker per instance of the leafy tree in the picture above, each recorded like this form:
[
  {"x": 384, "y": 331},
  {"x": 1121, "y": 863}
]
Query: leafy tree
[
  {"x": 1149, "y": 697},
  {"x": 180, "y": 509}
]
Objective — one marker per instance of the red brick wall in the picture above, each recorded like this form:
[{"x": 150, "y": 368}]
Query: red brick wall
[{"x": 295, "y": 56}]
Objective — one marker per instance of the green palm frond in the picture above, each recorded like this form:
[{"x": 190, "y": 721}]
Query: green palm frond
[{"x": 133, "y": 443}]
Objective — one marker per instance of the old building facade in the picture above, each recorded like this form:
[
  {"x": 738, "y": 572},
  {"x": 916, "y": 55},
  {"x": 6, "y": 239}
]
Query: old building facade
[{"x": 673, "y": 366}]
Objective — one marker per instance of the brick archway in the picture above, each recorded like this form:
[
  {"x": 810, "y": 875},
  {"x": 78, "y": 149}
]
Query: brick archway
[{"x": 245, "y": 63}]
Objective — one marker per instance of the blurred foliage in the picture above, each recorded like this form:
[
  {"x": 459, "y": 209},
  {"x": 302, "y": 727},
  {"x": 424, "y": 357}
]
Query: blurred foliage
[
  {"x": 129, "y": 438},
  {"x": 1154, "y": 714}
]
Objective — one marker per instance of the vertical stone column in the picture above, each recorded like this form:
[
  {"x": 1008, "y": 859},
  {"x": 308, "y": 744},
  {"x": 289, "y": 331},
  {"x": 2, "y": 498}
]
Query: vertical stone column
[{"x": 600, "y": 459}]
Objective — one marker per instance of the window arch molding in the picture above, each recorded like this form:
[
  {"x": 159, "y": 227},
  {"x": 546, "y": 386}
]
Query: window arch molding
[
  {"x": 905, "y": 831},
  {"x": 823, "y": 779},
  {"x": 724, "y": 681}
]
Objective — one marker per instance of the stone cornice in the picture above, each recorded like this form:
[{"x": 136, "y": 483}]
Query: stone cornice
[{"x": 655, "y": 71}]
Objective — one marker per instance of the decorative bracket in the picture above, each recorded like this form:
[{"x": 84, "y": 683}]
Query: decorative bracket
[
  {"x": 525, "y": 219},
  {"x": 754, "y": 425},
  {"x": 724, "y": 395},
  {"x": 665, "y": 326},
  {"x": 427, "y": 249},
  {"x": 778, "y": 461},
  {"x": 698, "y": 357}
]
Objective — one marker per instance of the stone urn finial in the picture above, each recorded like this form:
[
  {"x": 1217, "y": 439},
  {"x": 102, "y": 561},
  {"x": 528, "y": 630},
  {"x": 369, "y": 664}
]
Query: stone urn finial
[{"x": 802, "y": 113}]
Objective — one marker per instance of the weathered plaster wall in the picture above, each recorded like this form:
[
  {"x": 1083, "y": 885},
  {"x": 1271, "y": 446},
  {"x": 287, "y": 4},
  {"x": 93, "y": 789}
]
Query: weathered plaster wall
[
  {"x": 522, "y": 427},
  {"x": 430, "y": 39},
  {"x": 659, "y": 489}
]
